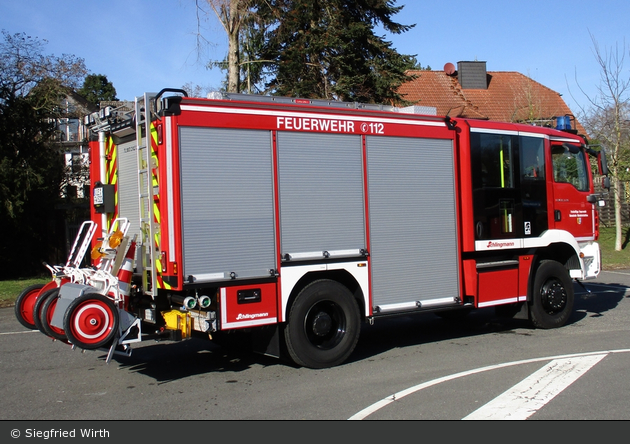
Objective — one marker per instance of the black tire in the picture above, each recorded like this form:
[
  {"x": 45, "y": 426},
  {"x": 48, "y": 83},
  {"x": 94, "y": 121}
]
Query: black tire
[
  {"x": 323, "y": 325},
  {"x": 91, "y": 321},
  {"x": 46, "y": 314},
  {"x": 551, "y": 302},
  {"x": 37, "y": 311},
  {"x": 25, "y": 305}
]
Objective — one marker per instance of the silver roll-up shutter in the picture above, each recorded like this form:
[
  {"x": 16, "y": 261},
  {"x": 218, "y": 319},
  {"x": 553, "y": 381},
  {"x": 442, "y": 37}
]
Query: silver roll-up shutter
[
  {"x": 128, "y": 191},
  {"x": 321, "y": 195},
  {"x": 413, "y": 233},
  {"x": 227, "y": 203}
]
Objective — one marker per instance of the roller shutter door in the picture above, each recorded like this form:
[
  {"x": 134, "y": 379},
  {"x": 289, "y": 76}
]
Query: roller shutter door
[
  {"x": 227, "y": 203},
  {"x": 412, "y": 211},
  {"x": 321, "y": 195}
]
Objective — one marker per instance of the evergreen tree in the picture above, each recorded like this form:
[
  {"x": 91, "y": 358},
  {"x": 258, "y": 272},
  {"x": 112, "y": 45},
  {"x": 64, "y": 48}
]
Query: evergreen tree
[
  {"x": 96, "y": 88},
  {"x": 329, "y": 49}
]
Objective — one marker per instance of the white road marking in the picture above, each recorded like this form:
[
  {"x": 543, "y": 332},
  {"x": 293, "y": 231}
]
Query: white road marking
[
  {"x": 19, "y": 332},
  {"x": 396, "y": 396},
  {"x": 532, "y": 393}
]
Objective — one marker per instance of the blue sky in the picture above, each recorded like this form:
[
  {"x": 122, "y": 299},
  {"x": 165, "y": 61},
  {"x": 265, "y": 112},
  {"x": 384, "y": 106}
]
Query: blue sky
[{"x": 147, "y": 45}]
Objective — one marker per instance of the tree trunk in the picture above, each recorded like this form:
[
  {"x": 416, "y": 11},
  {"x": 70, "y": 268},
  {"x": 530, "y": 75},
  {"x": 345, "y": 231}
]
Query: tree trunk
[
  {"x": 233, "y": 48},
  {"x": 617, "y": 185},
  {"x": 617, "y": 168}
]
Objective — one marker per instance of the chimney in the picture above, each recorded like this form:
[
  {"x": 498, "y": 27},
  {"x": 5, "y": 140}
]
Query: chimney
[{"x": 472, "y": 75}]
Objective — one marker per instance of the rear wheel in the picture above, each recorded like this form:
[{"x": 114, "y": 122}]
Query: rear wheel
[
  {"x": 91, "y": 321},
  {"x": 552, "y": 298},
  {"x": 25, "y": 304},
  {"x": 323, "y": 326}
]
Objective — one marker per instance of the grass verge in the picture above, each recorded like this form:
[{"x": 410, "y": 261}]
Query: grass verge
[
  {"x": 612, "y": 260},
  {"x": 9, "y": 290}
]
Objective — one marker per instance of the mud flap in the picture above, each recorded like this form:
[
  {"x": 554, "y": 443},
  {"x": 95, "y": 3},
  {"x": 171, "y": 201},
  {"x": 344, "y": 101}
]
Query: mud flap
[{"x": 266, "y": 341}]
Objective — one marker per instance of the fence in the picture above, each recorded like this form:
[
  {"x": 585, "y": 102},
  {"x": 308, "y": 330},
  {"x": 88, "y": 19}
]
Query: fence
[{"x": 607, "y": 212}]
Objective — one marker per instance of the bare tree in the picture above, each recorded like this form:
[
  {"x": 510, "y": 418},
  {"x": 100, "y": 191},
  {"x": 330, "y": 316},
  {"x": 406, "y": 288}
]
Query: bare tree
[
  {"x": 231, "y": 15},
  {"x": 606, "y": 118},
  {"x": 194, "y": 90}
]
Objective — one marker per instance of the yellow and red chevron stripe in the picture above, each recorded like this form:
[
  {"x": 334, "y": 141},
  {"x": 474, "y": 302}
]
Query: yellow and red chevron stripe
[
  {"x": 156, "y": 207},
  {"x": 111, "y": 156}
]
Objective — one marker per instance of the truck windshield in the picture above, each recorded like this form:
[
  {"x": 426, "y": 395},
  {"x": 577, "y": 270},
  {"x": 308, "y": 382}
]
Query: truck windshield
[{"x": 570, "y": 167}]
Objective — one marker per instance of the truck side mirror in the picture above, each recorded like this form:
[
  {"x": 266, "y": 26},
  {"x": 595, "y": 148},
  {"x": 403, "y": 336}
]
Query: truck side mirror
[{"x": 602, "y": 164}]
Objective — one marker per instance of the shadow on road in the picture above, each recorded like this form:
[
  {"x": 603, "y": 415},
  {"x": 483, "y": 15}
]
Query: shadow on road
[
  {"x": 603, "y": 297},
  {"x": 169, "y": 361}
]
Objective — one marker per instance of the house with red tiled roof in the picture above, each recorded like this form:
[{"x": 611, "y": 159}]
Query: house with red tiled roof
[{"x": 470, "y": 91}]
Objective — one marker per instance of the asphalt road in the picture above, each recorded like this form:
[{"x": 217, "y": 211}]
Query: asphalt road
[{"x": 411, "y": 368}]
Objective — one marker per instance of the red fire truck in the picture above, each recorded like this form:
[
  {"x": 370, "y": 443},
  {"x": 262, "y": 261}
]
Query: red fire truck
[{"x": 299, "y": 220}]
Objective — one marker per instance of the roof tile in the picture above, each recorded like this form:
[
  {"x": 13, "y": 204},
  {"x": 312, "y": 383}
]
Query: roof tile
[{"x": 510, "y": 97}]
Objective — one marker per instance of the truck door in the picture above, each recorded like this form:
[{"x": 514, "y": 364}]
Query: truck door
[
  {"x": 571, "y": 188},
  {"x": 495, "y": 196},
  {"x": 533, "y": 185},
  {"x": 509, "y": 188}
]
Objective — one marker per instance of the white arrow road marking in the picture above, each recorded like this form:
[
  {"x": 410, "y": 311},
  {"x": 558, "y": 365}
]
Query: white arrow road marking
[{"x": 532, "y": 393}]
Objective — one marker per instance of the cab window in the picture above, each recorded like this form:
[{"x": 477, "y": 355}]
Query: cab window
[
  {"x": 532, "y": 151},
  {"x": 495, "y": 158},
  {"x": 569, "y": 166}
]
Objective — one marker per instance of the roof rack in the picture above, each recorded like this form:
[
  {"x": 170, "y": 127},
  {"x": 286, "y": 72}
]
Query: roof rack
[{"x": 220, "y": 95}]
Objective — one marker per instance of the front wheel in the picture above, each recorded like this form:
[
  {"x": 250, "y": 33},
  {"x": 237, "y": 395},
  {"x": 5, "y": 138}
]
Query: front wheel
[
  {"x": 323, "y": 325},
  {"x": 552, "y": 298},
  {"x": 91, "y": 321}
]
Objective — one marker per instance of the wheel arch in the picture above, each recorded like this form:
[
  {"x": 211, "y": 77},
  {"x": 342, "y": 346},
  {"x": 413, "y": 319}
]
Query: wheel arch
[
  {"x": 560, "y": 246},
  {"x": 342, "y": 276},
  {"x": 561, "y": 252}
]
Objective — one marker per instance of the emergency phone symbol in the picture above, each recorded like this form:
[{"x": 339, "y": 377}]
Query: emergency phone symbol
[{"x": 528, "y": 228}]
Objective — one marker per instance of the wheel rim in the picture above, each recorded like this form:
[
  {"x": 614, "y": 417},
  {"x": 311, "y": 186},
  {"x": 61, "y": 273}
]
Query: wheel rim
[
  {"x": 92, "y": 322},
  {"x": 28, "y": 305},
  {"x": 554, "y": 296},
  {"x": 325, "y": 325}
]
